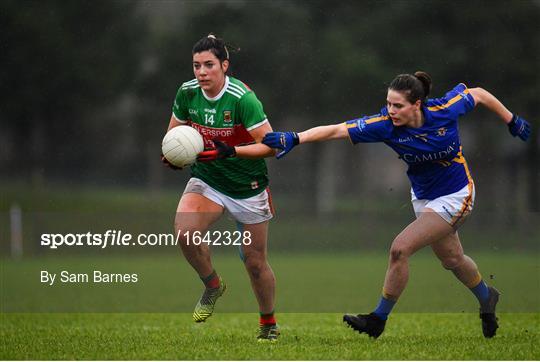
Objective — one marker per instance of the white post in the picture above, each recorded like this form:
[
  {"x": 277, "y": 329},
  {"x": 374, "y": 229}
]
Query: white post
[{"x": 15, "y": 215}]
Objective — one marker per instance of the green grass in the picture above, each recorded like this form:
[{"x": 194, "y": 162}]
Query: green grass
[
  {"x": 331, "y": 282},
  {"x": 229, "y": 336},
  {"x": 436, "y": 317},
  {"x": 324, "y": 267}
]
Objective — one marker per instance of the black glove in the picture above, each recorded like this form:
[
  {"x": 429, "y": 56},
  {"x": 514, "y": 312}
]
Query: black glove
[{"x": 221, "y": 152}]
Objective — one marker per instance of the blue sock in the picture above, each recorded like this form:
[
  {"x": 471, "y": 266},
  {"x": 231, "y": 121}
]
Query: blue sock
[
  {"x": 384, "y": 308},
  {"x": 481, "y": 291}
]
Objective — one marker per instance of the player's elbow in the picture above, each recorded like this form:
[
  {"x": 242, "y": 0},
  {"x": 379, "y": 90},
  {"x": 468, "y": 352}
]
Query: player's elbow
[
  {"x": 478, "y": 94},
  {"x": 340, "y": 131}
]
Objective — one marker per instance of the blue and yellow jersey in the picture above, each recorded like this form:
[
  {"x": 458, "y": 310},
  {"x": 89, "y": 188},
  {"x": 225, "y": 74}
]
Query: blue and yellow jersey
[{"x": 433, "y": 152}]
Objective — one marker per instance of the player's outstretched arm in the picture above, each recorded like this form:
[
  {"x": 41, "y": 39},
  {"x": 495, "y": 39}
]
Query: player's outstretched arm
[
  {"x": 517, "y": 126},
  {"x": 285, "y": 141},
  {"x": 257, "y": 149},
  {"x": 324, "y": 133}
]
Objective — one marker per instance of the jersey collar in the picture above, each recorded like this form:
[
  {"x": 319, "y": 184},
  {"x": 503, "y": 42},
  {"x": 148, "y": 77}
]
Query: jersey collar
[{"x": 221, "y": 92}]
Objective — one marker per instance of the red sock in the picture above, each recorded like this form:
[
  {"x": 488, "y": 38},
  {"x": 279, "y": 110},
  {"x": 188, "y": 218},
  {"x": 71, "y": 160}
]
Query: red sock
[
  {"x": 267, "y": 318},
  {"x": 211, "y": 281}
]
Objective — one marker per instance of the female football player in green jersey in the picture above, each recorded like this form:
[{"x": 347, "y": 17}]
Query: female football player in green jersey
[{"x": 230, "y": 175}]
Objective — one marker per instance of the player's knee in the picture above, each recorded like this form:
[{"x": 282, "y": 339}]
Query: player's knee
[
  {"x": 398, "y": 252},
  {"x": 452, "y": 262},
  {"x": 254, "y": 267},
  {"x": 177, "y": 224},
  {"x": 184, "y": 234},
  {"x": 183, "y": 222}
]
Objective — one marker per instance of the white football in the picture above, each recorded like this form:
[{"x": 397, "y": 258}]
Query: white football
[{"x": 181, "y": 145}]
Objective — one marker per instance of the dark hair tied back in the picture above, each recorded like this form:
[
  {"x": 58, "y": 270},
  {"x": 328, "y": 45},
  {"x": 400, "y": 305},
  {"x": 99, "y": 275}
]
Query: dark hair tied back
[
  {"x": 426, "y": 81},
  {"x": 214, "y": 45},
  {"x": 416, "y": 87}
]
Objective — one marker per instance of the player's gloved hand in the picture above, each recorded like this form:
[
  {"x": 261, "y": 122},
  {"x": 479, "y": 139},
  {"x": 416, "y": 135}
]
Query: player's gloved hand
[
  {"x": 519, "y": 127},
  {"x": 285, "y": 141},
  {"x": 168, "y": 164},
  {"x": 221, "y": 152}
]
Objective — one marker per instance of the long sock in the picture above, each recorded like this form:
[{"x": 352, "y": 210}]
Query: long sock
[
  {"x": 267, "y": 318},
  {"x": 481, "y": 291},
  {"x": 211, "y": 281},
  {"x": 384, "y": 308}
]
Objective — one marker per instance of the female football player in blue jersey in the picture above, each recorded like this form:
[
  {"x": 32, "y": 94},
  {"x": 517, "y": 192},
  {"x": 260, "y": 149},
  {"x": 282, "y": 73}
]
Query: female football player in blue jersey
[{"x": 424, "y": 133}]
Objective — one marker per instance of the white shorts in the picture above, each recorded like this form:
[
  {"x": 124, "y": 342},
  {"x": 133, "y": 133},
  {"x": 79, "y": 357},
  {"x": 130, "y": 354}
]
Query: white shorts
[
  {"x": 453, "y": 207},
  {"x": 253, "y": 210}
]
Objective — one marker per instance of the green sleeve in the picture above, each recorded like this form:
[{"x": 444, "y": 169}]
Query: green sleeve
[
  {"x": 250, "y": 110},
  {"x": 179, "y": 108}
]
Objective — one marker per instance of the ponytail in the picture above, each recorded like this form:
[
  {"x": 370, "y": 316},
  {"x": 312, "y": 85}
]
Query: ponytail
[{"x": 425, "y": 79}]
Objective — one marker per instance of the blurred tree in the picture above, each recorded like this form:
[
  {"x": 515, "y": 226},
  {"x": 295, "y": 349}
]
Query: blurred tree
[
  {"x": 90, "y": 84},
  {"x": 61, "y": 62}
]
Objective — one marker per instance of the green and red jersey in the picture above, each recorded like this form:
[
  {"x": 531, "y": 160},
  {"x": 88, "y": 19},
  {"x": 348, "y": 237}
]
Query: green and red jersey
[{"x": 229, "y": 117}]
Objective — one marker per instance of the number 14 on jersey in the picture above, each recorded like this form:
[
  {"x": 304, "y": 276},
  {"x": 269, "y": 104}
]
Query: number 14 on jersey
[{"x": 208, "y": 118}]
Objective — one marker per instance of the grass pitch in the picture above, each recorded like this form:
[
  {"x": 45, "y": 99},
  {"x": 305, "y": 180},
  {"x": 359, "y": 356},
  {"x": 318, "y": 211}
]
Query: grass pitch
[
  {"x": 230, "y": 336},
  {"x": 435, "y": 319},
  {"x": 323, "y": 285}
]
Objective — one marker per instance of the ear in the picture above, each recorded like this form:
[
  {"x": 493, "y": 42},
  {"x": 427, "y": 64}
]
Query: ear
[
  {"x": 225, "y": 66},
  {"x": 418, "y": 104}
]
